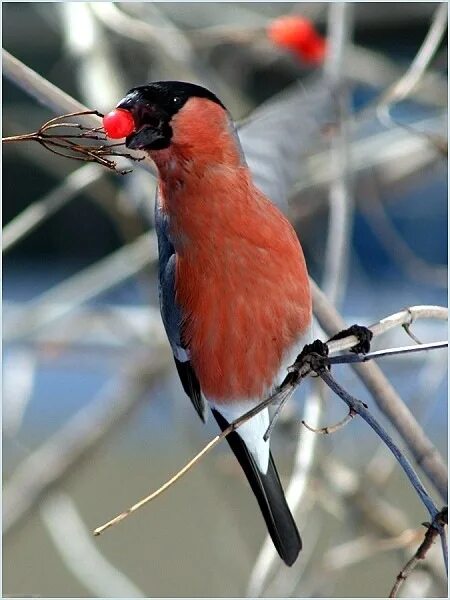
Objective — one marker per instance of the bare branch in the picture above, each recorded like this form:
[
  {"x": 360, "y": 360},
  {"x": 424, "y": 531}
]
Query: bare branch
[
  {"x": 433, "y": 530},
  {"x": 78, "y": 552},
  {"x": 74, "y": 146}
]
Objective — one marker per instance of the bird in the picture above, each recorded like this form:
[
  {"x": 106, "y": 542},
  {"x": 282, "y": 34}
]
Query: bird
[{"x": 233, "y": 282}]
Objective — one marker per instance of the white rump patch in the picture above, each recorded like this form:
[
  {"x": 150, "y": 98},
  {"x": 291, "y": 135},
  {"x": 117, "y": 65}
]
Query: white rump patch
[{"x": 252, "y": 431}]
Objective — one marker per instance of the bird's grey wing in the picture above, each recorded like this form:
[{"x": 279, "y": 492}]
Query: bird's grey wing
[
  {"x": 280, "y": 131},
  {"x": 172, "y": 316}
]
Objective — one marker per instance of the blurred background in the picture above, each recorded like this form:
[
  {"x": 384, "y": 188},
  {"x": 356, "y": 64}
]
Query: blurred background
[{"x": 93, "y": 414}]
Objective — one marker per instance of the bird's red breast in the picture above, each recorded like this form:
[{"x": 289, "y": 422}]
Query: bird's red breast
[{"x": 241, "y": 278}]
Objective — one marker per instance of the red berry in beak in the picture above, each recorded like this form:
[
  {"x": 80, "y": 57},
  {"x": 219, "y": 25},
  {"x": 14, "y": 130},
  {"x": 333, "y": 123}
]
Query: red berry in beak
[{"x": 118, "y": 123}]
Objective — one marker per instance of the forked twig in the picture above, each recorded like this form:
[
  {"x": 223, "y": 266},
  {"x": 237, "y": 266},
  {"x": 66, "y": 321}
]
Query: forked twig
[
  {"x": 361, "y": 409},
  {"x": 433, "y": 530},
  {"x": 68, "y": 145}
]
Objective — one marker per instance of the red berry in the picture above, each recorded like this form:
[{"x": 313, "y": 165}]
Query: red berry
[
  {"x": 298, "y": 35},
  {"x": 118, "y": 123}
]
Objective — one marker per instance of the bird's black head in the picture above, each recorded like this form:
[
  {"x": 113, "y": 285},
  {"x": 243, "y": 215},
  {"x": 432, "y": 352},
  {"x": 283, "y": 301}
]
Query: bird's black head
[{"x": 153, "y": 107}]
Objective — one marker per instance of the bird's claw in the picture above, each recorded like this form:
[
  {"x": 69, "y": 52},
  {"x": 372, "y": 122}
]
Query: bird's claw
[
  {"x": 363, "y": 334},
  {"x": 313, "y": 357}
]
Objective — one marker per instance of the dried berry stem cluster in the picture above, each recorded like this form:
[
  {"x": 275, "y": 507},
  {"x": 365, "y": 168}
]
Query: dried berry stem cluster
[{"x": 78, "y": 146}]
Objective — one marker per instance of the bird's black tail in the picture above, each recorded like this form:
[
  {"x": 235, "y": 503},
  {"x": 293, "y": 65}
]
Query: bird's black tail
[{"x": 270, "y": 495}]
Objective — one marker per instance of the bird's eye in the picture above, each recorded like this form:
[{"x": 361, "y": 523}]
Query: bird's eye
[{"x": 176, "y": 100}]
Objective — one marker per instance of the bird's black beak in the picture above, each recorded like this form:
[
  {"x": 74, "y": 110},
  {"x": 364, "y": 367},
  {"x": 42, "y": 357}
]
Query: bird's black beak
[
  {"x": 147, "y": 137},
  {"x": 153, "y": 131}
]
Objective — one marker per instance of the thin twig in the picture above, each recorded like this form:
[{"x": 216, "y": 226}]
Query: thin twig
[
  {"x": 433, "y": 530},
  {"x": 164, "y": 487},
  {"x": 188, "y": 466},
  {"x": 332, "y": 428},
  {"x": 345, "y": 359},
  {"x": 276, "y": 414},
  {"x": 361, "y": 409}
]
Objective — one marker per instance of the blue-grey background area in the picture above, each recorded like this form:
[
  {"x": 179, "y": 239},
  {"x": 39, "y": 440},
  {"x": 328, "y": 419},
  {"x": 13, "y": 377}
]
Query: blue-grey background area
[{"x": 202, "y": 537}]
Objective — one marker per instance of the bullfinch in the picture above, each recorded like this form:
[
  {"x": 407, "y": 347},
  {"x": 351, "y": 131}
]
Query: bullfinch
[{"x": 233, "y": 285}]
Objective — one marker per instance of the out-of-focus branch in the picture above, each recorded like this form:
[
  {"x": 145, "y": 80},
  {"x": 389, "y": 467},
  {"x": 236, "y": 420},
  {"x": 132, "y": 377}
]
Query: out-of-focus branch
[
  {"x": 98, "y": 278},
  {"x": 340, "y": 199},
  {"x": 402, "y": 88},
  {"x": 395, "y": 154},
  {"x": 387, "y": 399},
  {"x": 377, "y": 70},
  {"x": 109, "y": 326},
  {"x": 364, "y": 547},
  {"x": 350, "y": 493},
  {"x": 35, "y": 214},
  {"x": 78, "y": 552},
  {"x": 19, "y": 366},
  {"x": 42, "y": 90},
  {"x": 78, "y": 438},
  {"x": 100, "y": 77},
  {"x": 399, "y": 251},
  {"x": 172, "y": 44}
]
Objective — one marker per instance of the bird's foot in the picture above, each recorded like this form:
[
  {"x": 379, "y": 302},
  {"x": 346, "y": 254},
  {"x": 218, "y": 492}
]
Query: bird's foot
[
  {"x": 313, "y": 357},
  {"x": 363, "y": 334}
]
